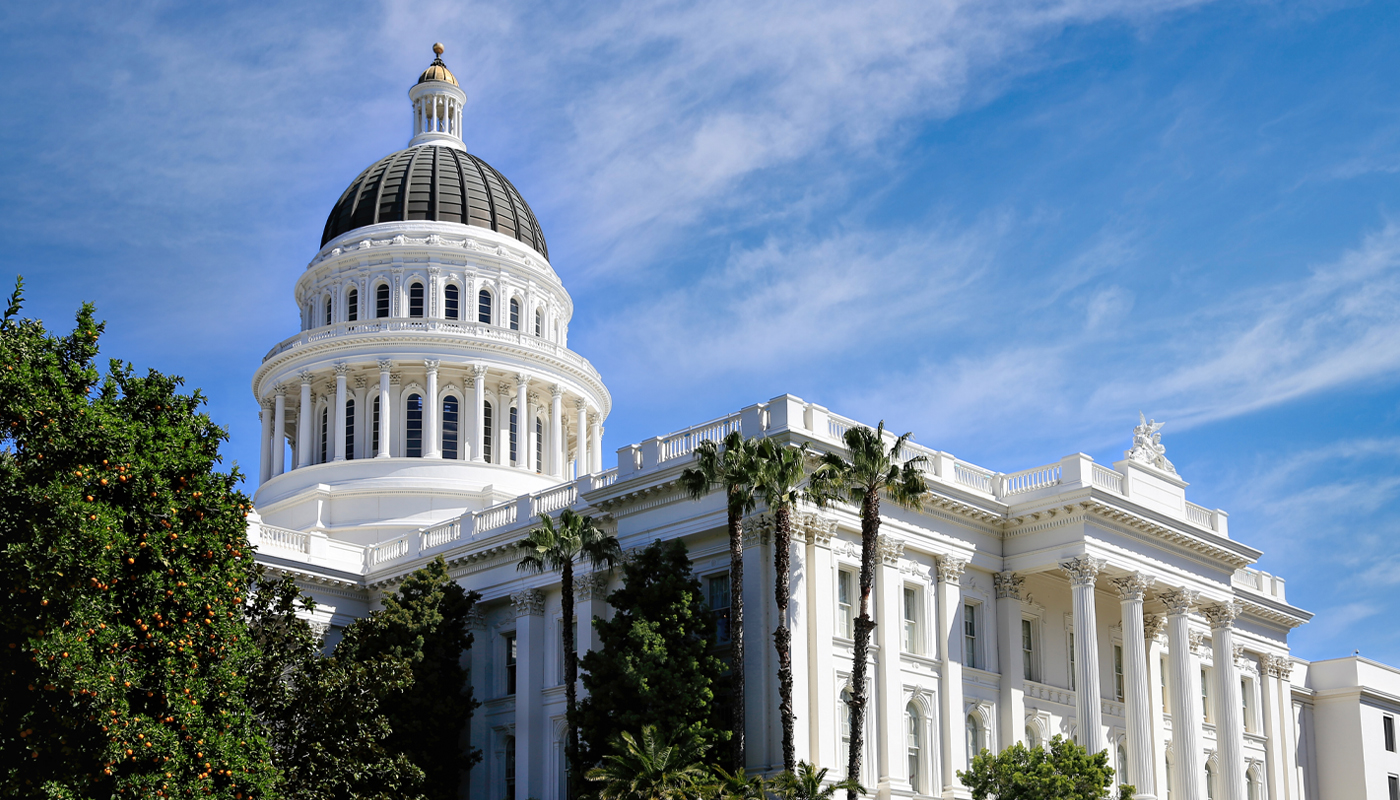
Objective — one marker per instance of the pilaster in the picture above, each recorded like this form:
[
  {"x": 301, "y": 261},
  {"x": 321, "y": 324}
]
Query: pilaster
[
  {"x": 1137, "y": 689},
  {"x": 950, "y": 689},
  {"x": 1083, "y": 572},
  {"x": 1012, "y": 703}
]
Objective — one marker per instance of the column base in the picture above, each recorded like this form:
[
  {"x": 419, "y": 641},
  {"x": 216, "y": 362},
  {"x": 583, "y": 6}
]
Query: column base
[
  {"x": 1144, "y": 797},
  {"x": 958, "y": 792}
]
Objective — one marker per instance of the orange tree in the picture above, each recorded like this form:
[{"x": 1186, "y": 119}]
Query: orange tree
[{"x": 123, "y": 562}]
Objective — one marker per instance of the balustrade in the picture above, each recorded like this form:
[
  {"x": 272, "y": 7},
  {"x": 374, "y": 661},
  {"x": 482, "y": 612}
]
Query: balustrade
[
  {"x": 1200, "y": 515},
  {"x": 683, "y": 443},
  {"x": 1031, "y": 479},
  {"x": 282, "y": 538},
  {"x": 1108, "y": 479}
]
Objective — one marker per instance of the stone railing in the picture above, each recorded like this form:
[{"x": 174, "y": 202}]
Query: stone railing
[
  {"x": 1030, "y": 480},
  {"x": 974, "y": 477},
  {"x": 441, "y": 534},
  {"x": 384, "y": 552},
  {"x": 1200, "y": 515},
  {"x": 683, "y": 443},
  {"x": 282, "y": 539},
  {"x": 551, "y": 500},
  {"x": 1050, "y": 694},
  {"x": 1109, "y": 479},
  {"x": 497, "y": 516}
]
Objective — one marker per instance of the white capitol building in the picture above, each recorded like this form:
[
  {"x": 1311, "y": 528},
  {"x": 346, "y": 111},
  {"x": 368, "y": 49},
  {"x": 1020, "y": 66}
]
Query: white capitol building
[{"x": 430, "y": 406}]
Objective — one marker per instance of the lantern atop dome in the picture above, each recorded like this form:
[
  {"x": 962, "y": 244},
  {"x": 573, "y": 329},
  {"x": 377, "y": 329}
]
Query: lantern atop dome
[{"x": 437, "y": 105}]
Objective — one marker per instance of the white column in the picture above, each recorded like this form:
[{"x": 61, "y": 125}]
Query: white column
[
  {"x": 1229, "y": 723},
  {"x": 339, "y": 450},
  {"x": 1137, "y": 690},
  {"x": 823, "y": 701},
  {"x": 533, "y": 436},
  {"x": 582, "y": 437},
  {"x": 1153, "y": 625},
  {"x": 556, "y": 431},
  {"x": 502, "y": 450},
  {"x": 889, "y": 734},
  {"x": 432, "y": 448},
  {"x": 279, "y": 443},
  {"x": 595, "y": 443},
  {"x": 1082, "y": 572},
  {"x": 531, "y": 746},
  {"x": 1012, "y": 703},
  {"x": 384, "y": 366},
  {"x": 799, "y": 619},
  {"x": 304, "y": 423},
  {"x": 1186, "y": 706},
  {"x": 1278, "y": 715},
  {"x": 265, "y": 460},
  {"x": 950, "y": 682},
  {"x": 522, "y": 415},
  {"x": 479, "y": 424}
]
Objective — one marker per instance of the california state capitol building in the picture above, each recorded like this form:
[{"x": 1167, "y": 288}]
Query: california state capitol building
[{"x": 430, "y": 406}]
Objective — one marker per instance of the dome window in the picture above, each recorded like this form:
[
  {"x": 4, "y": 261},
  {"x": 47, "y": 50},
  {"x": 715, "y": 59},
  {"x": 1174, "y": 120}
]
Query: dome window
[
  {"x": 483, "y": 307},
  {"x": 381, "y": 301},
  {"x": 487, "y": 428},
  {"x": 539, "y": 322},
  {"x": 328, "y": 311},
  {"x": 413, "y": 424},
  {"x": 514, "y": 436},
  {"x": 452, "y": 302},
  {"x": 325, "y": 433},
  {"x": 450, "y": 409},
  {"x": 514, "y": 314},
  {"x": 415, "y": 300},
  {"x": 352, "y": 305},
  {"x": 349, "y": 428}
]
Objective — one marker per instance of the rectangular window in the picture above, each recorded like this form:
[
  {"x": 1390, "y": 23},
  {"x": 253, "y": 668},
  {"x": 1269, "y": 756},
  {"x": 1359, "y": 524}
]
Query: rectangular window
[
  {"x": 845, "y": 593},
  {"x": 970, "y": 636},
  {"x": 514, "y": 455},
  {"x": 1118, "y": 671},
  {"x": 510, "y": 768},
  {"x": 1028, "y": 665},
  {"x": 1071, "y": 661},
  {"x": 1389, "y": 723},
  {"x": 374, "y": 434},
  {"x": 1165, "y": 709},
  {"x": 1205, "y": 696},
  {"x": 718, "y": 587},
  {"x": 510, "y": 662},
  {"x": 1247, "y": 704},
  {"x": 1394, "y": 783},
  {"x": 911, "y": 620},
  {"x": 451, "y": 302},
  {"x": 350, "y": 428}
]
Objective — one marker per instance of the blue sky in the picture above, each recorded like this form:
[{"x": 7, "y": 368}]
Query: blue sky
[{"x": 1005, "y": 226}]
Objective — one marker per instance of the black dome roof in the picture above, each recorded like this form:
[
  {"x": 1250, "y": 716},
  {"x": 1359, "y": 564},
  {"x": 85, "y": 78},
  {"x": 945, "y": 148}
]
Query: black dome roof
[{"x": 442, "y": 184}]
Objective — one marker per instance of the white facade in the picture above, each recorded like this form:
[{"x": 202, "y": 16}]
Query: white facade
[{"x": 1072, "y": 598}]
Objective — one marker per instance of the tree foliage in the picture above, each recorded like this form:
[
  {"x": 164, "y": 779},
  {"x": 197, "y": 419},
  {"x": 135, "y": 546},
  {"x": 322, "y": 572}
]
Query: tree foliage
[
  {"x": 809, "y": 783},
  {"x": 1061, "y": 771},
  {"x": 324, "y": 717},
  {"x": 655, "y": 666},
  {"x": 424, "y": 626},
  {"x": 654, "y": 767},
  {"x": 123, "y": 562}
]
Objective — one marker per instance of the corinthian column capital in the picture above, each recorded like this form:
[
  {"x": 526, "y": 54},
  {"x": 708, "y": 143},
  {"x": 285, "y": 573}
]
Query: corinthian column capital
[
  {"x": 1007, "y": 584},
  {"x": 1084, "y": 570},
  {"x": 1179, "y": 601},
  {"x": 1133, "y": 587},
  {"x": 950, "y": 568},
  {"x": 1221, "y": 615}
]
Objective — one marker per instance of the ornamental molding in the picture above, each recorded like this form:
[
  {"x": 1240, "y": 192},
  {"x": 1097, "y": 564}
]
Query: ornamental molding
[
  {"x": 341, "y": 368},
  {"x": 1128, "y": 522},
  {"x": 529, "y": 602},
  {"x": 1134, "y": 586},
  {"x": 1179, "y": 601},
  {"x": 1276, "y": 666},
  {"x": 1197, "y": 640},
  {"x": 949, "y": 568},
  {"x": 819, "y": 528},
  {"x": 476, "y": 621},
  {"x": 593, "y": 586},
  {"x": 431, "y": 364},
  {"x": 319, "y": 631},
  {"x": 1221, "y": 615},
  {"x": 889, "y": 550},
  {"x": 1237, "y": 652},
  {"x": 1153, "y": 626},
  {"x": 1083, "y": 570},
  {"x": 1007, "y": 584}
]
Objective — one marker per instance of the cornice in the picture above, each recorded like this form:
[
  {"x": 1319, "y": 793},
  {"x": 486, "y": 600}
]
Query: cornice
[{"x": 1187, "y": 541}]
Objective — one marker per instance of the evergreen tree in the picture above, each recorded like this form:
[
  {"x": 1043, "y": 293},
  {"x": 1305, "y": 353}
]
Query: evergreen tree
[
  {"x": 1061, "y": 771},
  {"x": 655, "y": 666},
  {"x": 424, "y": 625},
  {"x": 324, "y": 717},
  {"x": 123, "y": 562}
]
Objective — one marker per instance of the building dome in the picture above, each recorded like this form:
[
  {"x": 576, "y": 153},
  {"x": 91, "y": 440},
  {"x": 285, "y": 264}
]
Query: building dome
[
  {"x": 439, "y": 183},
  {"x": 437, "y": 71}
]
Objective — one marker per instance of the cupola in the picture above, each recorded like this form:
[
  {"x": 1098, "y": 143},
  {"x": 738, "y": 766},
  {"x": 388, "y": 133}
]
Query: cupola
[{"x": 437, "y": 105}]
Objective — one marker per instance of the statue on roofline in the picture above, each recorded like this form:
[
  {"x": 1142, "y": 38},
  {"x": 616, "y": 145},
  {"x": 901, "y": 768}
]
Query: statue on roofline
[{"x": 1147, "y": 445}]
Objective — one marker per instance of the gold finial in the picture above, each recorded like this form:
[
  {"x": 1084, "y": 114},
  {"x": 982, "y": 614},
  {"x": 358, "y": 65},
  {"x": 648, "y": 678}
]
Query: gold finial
[{"x": 437, "y": 48}]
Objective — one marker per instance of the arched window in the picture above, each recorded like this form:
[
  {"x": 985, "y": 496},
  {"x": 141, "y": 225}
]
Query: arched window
[
  {"x": 1122, "y": 764},
  {"x": 452, "y": 306},
  {"x": 539, "y": 445},
  {"x": 415, "y": 300},
  {"x": 413, "y": 427},
  {"x": 514, "y": 454},
  {"x": 1210, "y": 782},
  {"x": 325, "y": 433},
  {"x": 845, "y": 712},
  {"x": 514, "y": 314},
  {"x": 486, "y": 429},
  {"x": 1032, "y": 737},
  {"x": 352, "y": 304},
  {"x": 1171, "y": 793},
  {"x": 449, "y": 427},
  {"x": 374, "y": 425},
  {"x": 328, "y": 311},
  {"x": 483, "y": 307},
  {"x": 1251, "y": 786},
  {"x": 912, "y": 724},
  {"x": 974, "y": 737},
  {"x": 510, "y": 768},
  {"x": 539, "y": 322},
  {"x": 349, "y": 428},
  {"x": 381, "y": 301}
]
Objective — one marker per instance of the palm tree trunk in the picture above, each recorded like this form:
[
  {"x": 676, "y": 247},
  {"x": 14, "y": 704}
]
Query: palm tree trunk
[
  {"x": 869, "y": 536},
  {"x": 736, "y": 630},
  {"x": 782, "y": 637},
  {"x": 570, "y": 679}
]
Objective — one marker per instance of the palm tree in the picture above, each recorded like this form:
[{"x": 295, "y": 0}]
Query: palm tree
[
  {"x": 781, "y": 470},
  {"x": 551, "y": 547},
  {"x": 806, "y": 784},
  {"x": 732, "y": 465},
  {"x": 655, "y": 768},
  {"x": 871, "y": 470},
  {"x": 736, "y": 785}
]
